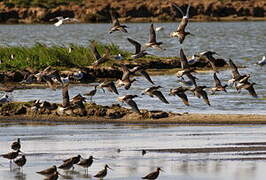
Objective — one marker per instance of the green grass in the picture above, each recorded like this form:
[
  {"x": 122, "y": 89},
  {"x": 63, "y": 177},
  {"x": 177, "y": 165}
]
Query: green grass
[{"x": 40, "y": 56}]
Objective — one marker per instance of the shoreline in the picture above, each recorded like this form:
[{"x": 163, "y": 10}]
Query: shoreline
[{"x": 173, "y": 119}]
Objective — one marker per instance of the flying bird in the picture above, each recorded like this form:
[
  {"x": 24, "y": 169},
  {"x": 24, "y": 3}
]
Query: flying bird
[
  {"x": 180, "y": 92},
  {"x": 153, "y": 91},
  {"x": 180, "y": 32},
  {"x": 201, "y": 93},
  {"x": 139, "y": 53},
  {"x": 117, "y": 26},
  {"x": 218, "y": 85},
  {"x": 128, "y": 99},
  {"x": 152, "y": 41},
  {"x": 99, "y": 59}
]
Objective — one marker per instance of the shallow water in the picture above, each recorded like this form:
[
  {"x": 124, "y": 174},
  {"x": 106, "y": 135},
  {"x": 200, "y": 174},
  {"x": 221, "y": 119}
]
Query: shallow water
[
  {"x": 244, "y": 42},
  {"x": 45, "y": 146}
]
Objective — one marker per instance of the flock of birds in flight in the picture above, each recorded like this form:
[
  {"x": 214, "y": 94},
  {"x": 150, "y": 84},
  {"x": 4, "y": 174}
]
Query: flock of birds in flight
[{"x": 240, "y": 81}]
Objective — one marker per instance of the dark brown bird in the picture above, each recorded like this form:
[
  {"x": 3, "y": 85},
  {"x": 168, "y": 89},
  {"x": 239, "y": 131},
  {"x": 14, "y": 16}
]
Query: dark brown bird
[
  {"x": 236, "y": 76},
  {"x": 186, "y": 69},
  {"x": 218, "y": 85},
  {"x": 200, "y": 92},
  {"x": 86, "y": 163},
  {"x": 65, "y": 95},
  {"x": 21, "y": 162},
  {"x": 128, "y": 99},
  {"x": 209, "y": 56},
  {"x": 110, "y": 85},
  {"x": 66, "y": 165},
  {"x": 153, "y": 91},
  {"x": 153, "y": 175},
  {"x": 180, "y": 92},
  {"x": 53, "y": 176},
  {"x": 180, "y": 32},
  {"x": 74, "y": 159},
  {"x": 248, "y": 86},
  {"x": 100, "y": 59},
  {"x": 152, "y": 42},
  {"x": 11, "y": 155},
  {"x": 77, "y": 99},
  {"x": 116, "y": 25},
  {"x": 139, "y": 53},
  {"x": 101, "y": 174},
  {"x": 48, "y": 171},
  {"x": 16, "y": 145},
  {"x": 92, "y": 92}
]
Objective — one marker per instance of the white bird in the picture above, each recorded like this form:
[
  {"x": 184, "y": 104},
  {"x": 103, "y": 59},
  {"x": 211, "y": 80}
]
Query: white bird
[
  {"x": 119, "y": 57},
  {"x": 262, "y": 62},
  {"x": 78, "y": 75},
  {"x": 61, "y": 20},
  {"x": 160, "y": 28}
]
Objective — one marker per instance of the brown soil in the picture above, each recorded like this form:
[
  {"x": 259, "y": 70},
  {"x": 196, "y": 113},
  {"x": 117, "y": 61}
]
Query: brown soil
[{"x": 138, "y": 11}]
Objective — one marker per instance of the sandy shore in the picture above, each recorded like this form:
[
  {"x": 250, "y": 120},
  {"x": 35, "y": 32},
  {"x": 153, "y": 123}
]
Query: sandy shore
[{"x": 187, "y": 119}]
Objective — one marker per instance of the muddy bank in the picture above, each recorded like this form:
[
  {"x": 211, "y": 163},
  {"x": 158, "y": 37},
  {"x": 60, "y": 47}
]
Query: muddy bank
[
  {"x": 134, "y": 11},
  {"x": 154, "y": 66},
  {"x": 93, "y": 113}
]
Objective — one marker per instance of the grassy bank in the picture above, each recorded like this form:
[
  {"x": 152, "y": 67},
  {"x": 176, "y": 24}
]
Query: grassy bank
[{"x": 40, "y": 56}]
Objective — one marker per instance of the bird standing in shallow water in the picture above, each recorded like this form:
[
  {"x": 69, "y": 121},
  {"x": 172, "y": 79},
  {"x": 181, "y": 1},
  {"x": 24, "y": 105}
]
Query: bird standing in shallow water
[
  {"x": 16, "y": 145},
  {"x": 11, "y": 156},
  {"x": 180, "y": 32},
  {"x": 86, "y": 163},
  {"x": 101, "y": 174},
  {"x": 53, "y": 176},
  {"x": 21, "y": 162},
  {"x": 262, "y": 62},
  {"x": 153, "y": 175},
  {"x": 48, "y": 171}
]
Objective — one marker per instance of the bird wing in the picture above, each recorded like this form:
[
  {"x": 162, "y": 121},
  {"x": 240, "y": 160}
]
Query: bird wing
[
  {"x": 183, "y": 59},
  {"x": 126, "y": 72},
  {"x": 146, "y": 75},
  {"x": 136, "y": 44},
  {"x": 205, "y": 97},
  {"x": 211, "y": 60},
  {"x": 182, "y": 25},
  {"x": 112, "y": 88},
  {"x": 192, "y": 78},
  {"x": 252, "y": 91},
  {"x": 133, "y": 105},
  {"x": 95, "y": 51},
  {"x": 184, "y": 98},
  {"x": 234, "y": 68},
  {"x": 115, "y": 21},
  {"x": 152, "y": 34},
  {"x": 216, "y": 80},
  {"x": 160, "y": 96}
]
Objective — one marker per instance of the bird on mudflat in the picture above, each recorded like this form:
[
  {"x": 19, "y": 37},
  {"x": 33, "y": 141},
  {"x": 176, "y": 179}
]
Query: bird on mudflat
[
  {"x": 110, "y": 86},
  {"x": 101, "y": 174},
  {"x": 21, "y": 162},
  {"x": 153, "y": 91},
  {"x": 116, "y": 26},
  {"x": 86, "y": 163},
  {"x": 218, "y": 85},
  {"x": 16, "y": 145},
  {"x": 201, "y": 93},
  {"x": 180, "y": 92},
  {"x": 92, "y": 92},
  {"x": 153, "y": 175},
  {"x": 139, "y": 53},
  {"x": 5, "y": 98},
  {"x": 152, "y": 41},
  {"x": 99, "y": 59},
  {"x": 128, "y": 99},
  {"x": 48, "y": 171},
  {"x": 180, "y": 32}
]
